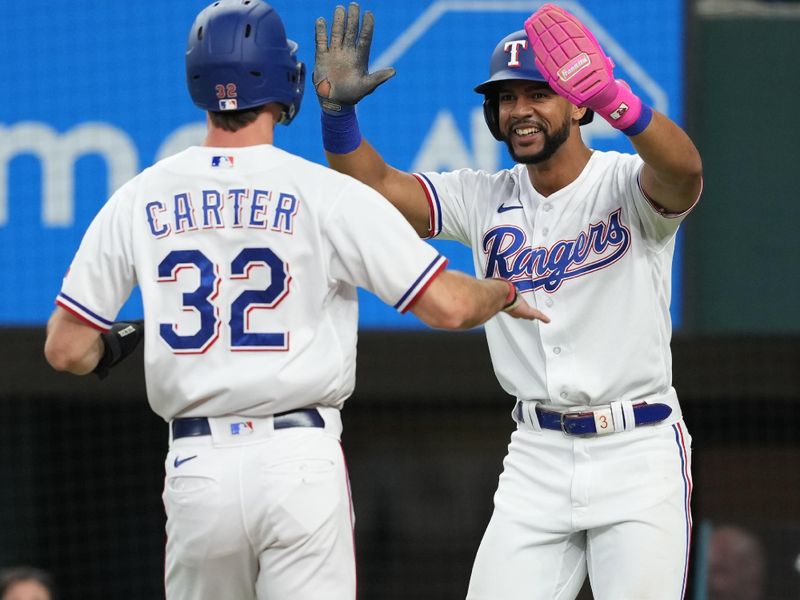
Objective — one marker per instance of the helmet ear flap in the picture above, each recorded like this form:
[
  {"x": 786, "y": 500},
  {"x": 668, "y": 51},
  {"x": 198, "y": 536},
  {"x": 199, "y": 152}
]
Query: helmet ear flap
[
  {"x": 298, "y": 80},
  {"x": 491, "y": 114}
]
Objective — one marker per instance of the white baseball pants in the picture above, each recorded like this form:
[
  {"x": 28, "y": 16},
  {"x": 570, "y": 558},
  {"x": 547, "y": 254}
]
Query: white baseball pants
[
  {"x": 263, "y": 516},
  {"x": 615, "y": 506}
]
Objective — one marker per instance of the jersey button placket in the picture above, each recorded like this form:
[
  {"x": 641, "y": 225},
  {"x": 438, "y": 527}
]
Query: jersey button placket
[
  {"x": 550, "y": 338},
  {"x": 545, "y": 230},
  {"x": 560, "y": 368},
  {"x": 544, "y": 215},
  {"x": 540, "y": 228}
]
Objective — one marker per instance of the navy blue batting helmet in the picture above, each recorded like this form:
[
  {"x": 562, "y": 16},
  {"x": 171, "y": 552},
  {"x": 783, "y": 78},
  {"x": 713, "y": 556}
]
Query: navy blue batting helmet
[
  {"x": 238, "y": 57},
  {"x": 512, "y": 58}
]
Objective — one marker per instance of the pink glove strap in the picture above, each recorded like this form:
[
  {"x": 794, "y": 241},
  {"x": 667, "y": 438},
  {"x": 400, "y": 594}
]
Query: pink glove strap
[{"x": 623, "y": 109}]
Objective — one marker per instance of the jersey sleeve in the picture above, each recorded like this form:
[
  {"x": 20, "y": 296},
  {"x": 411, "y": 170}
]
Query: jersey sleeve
[
  {"x": 449, "y": 196},
  {"x": 374, "y": 247},
  {"x": 658, "y": 225},
  {"x": 101, "y": 275}
]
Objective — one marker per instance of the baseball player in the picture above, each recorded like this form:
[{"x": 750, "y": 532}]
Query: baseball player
[
  {"x": 248, "y": 259},
  {"x": 597, "y": 476}
]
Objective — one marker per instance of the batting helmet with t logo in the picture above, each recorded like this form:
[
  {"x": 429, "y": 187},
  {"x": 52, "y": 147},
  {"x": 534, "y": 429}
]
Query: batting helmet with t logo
[
  {"x": 238, "y": 57},
  {"x": 512, "y": 59}
]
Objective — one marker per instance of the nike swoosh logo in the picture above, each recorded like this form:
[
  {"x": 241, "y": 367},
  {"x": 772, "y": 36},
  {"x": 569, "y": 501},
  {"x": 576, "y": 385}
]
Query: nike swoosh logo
[
  {"x": 503, "y": 208},
  {"x": 179, "y": 461}
]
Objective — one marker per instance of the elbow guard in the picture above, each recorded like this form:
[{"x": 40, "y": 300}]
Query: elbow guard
[{"x": 118, "y": 342}]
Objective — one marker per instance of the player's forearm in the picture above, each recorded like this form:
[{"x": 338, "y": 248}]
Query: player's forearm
[
  {"x": 477, "y": 301},
  {"x": 72, "y": 346},
  {"x": 401, "y": 189},
  {"x": 84, "y": 363},
  {"x": 672, "y": 176},
  {"x": 365, "y": 164},
  {"x": 456, "y": 301}
]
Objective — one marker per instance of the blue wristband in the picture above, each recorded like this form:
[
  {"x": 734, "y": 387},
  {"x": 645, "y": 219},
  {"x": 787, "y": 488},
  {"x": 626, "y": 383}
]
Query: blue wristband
[
  {"x": 641, "y": 123},
  {"x": 340, "y": 132}
]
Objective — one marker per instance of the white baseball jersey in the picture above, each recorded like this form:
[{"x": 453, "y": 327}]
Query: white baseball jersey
[
  {"x": 248, "y": 261},
  {"x": 595, "y": 256}
]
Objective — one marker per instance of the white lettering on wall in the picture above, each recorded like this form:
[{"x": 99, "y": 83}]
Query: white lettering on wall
[
  {"x": 444, "y": 148},
  {"x": 57, "y": 154}
]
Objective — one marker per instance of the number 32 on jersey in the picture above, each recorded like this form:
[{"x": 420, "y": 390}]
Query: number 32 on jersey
[{"x": 202, "y": 300}]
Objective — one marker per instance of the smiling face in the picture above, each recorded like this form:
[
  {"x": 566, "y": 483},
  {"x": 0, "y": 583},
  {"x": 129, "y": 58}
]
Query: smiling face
[{"x": 534, "y": 119}]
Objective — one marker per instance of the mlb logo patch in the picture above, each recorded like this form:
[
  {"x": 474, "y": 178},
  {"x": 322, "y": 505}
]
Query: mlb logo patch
[
  {"x": 226, "y": 162},
  {"x": 243, "y": 428},
  {"x": 228, "y": 104}
]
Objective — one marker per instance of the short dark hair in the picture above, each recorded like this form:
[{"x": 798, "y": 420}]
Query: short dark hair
[
  {"x": 14, "y": 575},
  {"x": 234, "y": 120}
]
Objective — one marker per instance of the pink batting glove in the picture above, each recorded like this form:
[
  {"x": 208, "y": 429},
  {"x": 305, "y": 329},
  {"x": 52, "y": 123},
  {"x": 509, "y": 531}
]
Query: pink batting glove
[{"x": 575, "y": 66}]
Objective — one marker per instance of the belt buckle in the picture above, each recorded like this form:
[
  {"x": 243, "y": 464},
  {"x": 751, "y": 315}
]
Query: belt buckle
[{"x": 562, "y": 423}]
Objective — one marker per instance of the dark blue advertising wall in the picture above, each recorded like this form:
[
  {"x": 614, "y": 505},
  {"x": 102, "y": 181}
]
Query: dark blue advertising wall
[{"x": 95, "y": 92}]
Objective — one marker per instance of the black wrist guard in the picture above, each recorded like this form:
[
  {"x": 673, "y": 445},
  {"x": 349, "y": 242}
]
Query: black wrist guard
[{"x": 118, "y": 342}]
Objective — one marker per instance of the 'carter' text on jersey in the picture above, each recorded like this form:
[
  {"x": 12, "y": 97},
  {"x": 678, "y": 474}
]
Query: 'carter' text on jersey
[{"x": 253, "y": 209}]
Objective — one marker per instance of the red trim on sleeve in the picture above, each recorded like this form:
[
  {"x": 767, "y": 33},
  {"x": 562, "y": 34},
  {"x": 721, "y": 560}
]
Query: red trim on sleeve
[
  {"x": 660, "y": 209},
  {"x": 431, "y": 217},
  {"x": 421, "y": 291},
  {"x": 82, "y": 318}
]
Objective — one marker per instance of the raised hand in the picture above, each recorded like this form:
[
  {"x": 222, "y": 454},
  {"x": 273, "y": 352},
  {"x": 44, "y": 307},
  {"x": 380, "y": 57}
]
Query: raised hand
[
  {"x": 341, "y": 76},
  {"x": 572, "y": 60}
]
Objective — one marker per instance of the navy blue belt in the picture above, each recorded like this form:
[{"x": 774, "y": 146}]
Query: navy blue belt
[
  {"x": 583, "y": 423},
  {"x": 198, "y": 426}
]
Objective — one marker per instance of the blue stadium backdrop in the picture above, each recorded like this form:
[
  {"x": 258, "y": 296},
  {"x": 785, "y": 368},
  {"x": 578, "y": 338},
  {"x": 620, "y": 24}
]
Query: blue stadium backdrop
[{"x": 95, "y": 92}]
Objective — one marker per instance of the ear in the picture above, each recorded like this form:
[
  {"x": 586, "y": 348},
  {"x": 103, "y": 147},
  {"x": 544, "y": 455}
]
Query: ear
[{"x": 578, "y": 112}]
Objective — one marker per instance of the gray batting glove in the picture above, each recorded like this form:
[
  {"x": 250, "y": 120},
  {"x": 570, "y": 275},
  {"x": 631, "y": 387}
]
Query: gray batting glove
[{"x": 341, "y": 74}]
